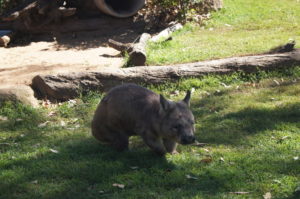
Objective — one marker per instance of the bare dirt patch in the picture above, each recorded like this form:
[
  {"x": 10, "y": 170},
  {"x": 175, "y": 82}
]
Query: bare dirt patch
[{"x": 53, "y": 54}]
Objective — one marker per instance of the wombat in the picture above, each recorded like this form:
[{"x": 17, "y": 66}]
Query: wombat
[{"x": 130, "y": 109}]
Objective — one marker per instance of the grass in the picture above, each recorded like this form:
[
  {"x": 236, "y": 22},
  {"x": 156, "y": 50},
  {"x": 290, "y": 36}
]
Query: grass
[
  {"x": 242, "y": 27},
  {"x": 251, "y": 125},
  {"x": 250, "y": 122}
]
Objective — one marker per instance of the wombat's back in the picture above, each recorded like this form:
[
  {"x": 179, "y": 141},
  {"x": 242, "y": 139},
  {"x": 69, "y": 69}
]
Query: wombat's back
[{"x": 124, "y": 107}]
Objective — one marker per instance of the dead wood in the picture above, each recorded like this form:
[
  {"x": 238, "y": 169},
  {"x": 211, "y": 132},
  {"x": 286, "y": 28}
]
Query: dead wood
[
  {"x": 166, "y": 34},
  {"x": 120, "y": 46},
  {"x": 36, "y": 14},
  {"x": 136, "y": 51},
  {"x": 138, "y": 57},
  {"x": 67, "y": 86}
]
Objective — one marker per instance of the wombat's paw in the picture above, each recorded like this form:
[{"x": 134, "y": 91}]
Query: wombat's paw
[{"x": 174, "y": 152}]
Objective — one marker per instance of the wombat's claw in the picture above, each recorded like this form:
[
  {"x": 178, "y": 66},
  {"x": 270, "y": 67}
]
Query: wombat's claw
[{"x": 174, "y": 152}]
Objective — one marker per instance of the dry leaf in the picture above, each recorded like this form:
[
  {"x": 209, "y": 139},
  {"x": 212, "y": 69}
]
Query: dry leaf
[
  {"x": 101, "y": 191},
  {"x": 46, "y": 103},
  {"x": 43, "y": 124},
  {"x": 34, "y": 182},
  {"x": 240, "y": 192},
  {"x": 191, "y": 177},
  {"x": 62, "y": 123},
  {"x": 3, "y": 118},
  {"x": 121, "y": 186},
  {"x": 226, "y": 86},
  {"x": 276, "y": 82},
  {"x": 277, "y": 181},
  {"x": 267, "y": 195},
  {"x": 71, "y": 103},
  {"x": 74, "y": 120},
  {"x": 52, "y": 113},
  {"x": 174, "y": 93},
  {"x": 283, "y": 138},
  {"x": 206, "y": 160},
  {"x": 297, "y": 190},
  {"x": 19, "y": 119},
  {"x": 296, "y": 158},
  {"x": 198, "y": 144},
  {"x": 206, "y": 150},
  {"x": 134, "y": 167},
  {"x": 54, "y": 151}
]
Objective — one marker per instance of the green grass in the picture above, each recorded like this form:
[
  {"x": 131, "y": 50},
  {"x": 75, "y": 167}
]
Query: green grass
[
  {"x": 242, "y": 27},
  {"x": 253, "y": 124}
]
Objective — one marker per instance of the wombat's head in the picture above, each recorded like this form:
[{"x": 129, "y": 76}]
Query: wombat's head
[{"x": 177, "y": 120}]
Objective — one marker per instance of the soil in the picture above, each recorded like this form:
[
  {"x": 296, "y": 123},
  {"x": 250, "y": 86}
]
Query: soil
[{"x": 53, "y": 54}]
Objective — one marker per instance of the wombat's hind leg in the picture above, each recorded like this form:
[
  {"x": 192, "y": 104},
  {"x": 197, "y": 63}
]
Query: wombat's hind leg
[
  {"x": 102, "y": 134},
  {"x": 120, "y": 142},
  {"x": 170, "y": 146},
  {"x": 105, "y": 135}
]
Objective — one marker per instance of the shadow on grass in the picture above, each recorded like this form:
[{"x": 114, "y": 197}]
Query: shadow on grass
[
  {"x": 81, "y": 169},
  {"x": 84, "y": 169},
  {"x": 234, "y": 127}
]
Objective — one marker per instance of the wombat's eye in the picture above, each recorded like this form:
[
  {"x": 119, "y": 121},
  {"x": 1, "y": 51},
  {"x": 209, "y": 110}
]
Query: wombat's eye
[{"x": 176, "y": 127}]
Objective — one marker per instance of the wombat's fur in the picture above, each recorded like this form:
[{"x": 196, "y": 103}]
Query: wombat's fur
[{"x": 133, "y": 110}]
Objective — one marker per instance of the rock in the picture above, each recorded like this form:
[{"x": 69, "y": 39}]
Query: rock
[
  {"x": 4, "y": 41},
  {"x": 18, "y": 93}
]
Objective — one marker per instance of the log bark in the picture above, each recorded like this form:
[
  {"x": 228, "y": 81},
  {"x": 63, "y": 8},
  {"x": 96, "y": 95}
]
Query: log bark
[
  {"x": 66, "y": 86},
  {"x": 166, "y": 33},
  {"x": 136, "y": 51},
  {"x": 36, "y": 14},
  {"x": 120, "y": 46},
  {"x": 138, "y": 57}
]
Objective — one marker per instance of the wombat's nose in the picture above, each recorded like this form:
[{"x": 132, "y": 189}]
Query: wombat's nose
[{"x": 188, "y": 139}]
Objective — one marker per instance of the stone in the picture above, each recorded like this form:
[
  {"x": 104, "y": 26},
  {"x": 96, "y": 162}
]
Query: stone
[{"x": 18, "y": 93}]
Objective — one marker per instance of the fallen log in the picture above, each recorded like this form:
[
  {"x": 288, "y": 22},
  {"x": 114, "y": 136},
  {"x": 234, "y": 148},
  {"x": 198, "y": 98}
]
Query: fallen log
[
  {"x": 120, "y": 46},
  {"x": 137, "y": 56},
  {"x": 67, "y": 86},
  {"x": 36, "y": 14},
  {"x": 136, "y": 51},
  {"x": 166, "y": 33}
]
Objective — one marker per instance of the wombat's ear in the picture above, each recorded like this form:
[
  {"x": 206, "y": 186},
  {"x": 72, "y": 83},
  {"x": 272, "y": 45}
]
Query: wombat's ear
[
  {"x": 165, "y": 104},
  {"x": 187, "y": 98}
]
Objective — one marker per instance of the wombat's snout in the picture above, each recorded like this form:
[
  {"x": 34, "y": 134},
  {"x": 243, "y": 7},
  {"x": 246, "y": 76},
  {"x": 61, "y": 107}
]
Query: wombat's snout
[{"x": 187, "y": 139}]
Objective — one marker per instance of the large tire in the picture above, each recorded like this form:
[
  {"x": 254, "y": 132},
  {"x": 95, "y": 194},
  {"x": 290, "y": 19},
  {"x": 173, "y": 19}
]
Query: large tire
[{"x": 120, "y": 8}]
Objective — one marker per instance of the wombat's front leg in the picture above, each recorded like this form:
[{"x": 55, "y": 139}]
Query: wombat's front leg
[
  {"x": 155, "y": 143},
  {"x": 170, "y": 146}
]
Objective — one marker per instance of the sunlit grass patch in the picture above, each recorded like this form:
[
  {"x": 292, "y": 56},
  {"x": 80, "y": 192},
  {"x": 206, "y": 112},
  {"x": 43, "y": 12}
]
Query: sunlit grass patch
[
  {"x": 241, "y": 28},
  {"x": 249, "y": 122}
]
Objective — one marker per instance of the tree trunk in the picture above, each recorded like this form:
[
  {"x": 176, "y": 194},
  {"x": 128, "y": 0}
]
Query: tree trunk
[{"x": 67, "y": 86}]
